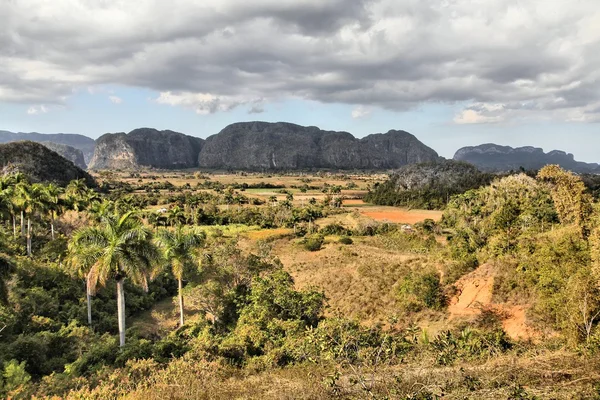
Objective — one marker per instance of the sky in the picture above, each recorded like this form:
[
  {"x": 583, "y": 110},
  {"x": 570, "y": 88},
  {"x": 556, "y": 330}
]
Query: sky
[{"x": 451, "y": 72}]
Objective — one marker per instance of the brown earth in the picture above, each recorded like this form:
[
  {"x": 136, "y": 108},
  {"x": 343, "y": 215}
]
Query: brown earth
[
  {"x": 399, "y": 215},
  {"x": 475, "y": 293}
]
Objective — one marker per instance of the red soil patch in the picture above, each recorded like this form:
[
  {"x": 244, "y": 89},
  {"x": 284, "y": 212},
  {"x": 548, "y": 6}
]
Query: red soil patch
[
  {"x": 475, "y": 293},
  {"x": 399, "y": 215},
  {"x": 353, "y": 202}
]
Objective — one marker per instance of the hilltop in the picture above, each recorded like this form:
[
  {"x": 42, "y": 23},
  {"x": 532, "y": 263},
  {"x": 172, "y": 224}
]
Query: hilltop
[
  {"x": 83, "y": 143},
  {"x": 40, "y": 163}
]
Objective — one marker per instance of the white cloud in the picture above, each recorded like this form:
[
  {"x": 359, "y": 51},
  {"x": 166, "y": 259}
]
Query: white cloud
[
  {"x": 361, "y": 112},
  {"x": 215, "y": 55},
  {"x": 115, "y": 99},
  {"x": 41, "y": 109}
]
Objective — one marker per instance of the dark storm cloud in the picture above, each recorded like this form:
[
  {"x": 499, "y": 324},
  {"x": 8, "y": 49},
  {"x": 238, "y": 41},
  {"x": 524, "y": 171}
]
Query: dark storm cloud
[{"x": 509, "y": 60}]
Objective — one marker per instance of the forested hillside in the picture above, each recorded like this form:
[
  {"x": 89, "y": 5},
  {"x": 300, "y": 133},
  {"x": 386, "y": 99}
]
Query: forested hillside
[{"x": 428, "y": 185}]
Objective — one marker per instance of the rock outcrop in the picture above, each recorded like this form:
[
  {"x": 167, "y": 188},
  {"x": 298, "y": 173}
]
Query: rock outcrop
[
  {"x": 284, "y": 146},
  {"x": 83, "y": 143},
  {"x": 40, "y": 163},
  {"x": 146, "y": 147},
  {"x": 492, "y": 157},
  {"x": 70, "y": 153}
]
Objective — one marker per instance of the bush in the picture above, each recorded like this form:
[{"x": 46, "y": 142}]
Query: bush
[
  {"x": 420, "y": 290},
  {"x": 313, "y": 243},
  {"x": 334, "y": 229},
  {"x": 345, "y": 240}
]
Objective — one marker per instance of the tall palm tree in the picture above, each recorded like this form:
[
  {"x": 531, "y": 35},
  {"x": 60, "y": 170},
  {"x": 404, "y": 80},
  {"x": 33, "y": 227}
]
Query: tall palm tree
[
  {"x": 81, "y": 258},
  {"x": 32, "y": 199},
  {"x": 54, "y": 203},
  {"x": 8, "y": 196},
  {"x": 120, "y": 248},
  {"x": 180, "y": 249}
]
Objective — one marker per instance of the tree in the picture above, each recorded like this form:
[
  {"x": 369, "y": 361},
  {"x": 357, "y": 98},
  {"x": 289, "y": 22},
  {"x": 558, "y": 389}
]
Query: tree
[
  {"x": 78, "y": 194},
  {"x": 121, "y": 247},
  {"x": 573, "y": 203},
  {"x": 54, "y": 203},
  {"x": 8, "y": 206},
  {"x": 180, "y": 249},
  {"x": 81, "y": 258},
  {"x": 6, "y": 267},
  {"x": 32, "y": 199}
]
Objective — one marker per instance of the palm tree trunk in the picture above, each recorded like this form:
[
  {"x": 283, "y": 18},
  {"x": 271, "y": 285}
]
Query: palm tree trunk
[
  {"x": 22, "y": 223},
  {"x": 14, "y": 225},
  {"x": 89, "y": 300},
  {"x": 180, "y": 302},
  {"x": 89, "y": 308},
  {"x": 29, "y": 236},
  {"x": 121, "y": 311},
  {"x": 52, "y": 225}
]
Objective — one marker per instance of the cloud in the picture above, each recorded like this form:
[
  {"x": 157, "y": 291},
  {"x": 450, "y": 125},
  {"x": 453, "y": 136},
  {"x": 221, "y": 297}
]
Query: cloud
[
  {"x": 41, "y": 109},
  {"x": 361, "y": 112},
  {"x": 256, "y": 109},
  {"x": 115, "y": 99},
  {"x": 533, "y": 59}
]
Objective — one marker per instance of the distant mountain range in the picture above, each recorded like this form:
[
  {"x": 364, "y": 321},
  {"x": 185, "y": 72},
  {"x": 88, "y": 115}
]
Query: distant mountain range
[
  {"x": 264, "y": 146},
  {"x": 492, "y": 157},
  {"x": 260, "y": 146}
]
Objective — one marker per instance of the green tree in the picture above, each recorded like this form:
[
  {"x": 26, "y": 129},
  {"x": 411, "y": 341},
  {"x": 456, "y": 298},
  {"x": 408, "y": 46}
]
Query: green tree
[
  {"x": 571, "y": 200},
  {"x": 14, "y": 375},
  {"x": 54, "y": 203},
  {"x": 32, "y": 199},
  {"x": 180, "y": 248},
  {"x": 6, "y": 267},
  {"x": 78, "y": 195},
  {"x": 121, "y": 248}
]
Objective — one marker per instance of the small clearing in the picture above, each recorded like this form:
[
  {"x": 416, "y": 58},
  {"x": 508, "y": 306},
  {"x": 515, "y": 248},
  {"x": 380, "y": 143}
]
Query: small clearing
[{"x": 475, "y": 293}]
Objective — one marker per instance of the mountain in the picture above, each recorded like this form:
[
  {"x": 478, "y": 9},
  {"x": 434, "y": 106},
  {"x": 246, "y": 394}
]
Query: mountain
[
  {"x": 40, "y": 163},
  {"x": 70, "y": 153},
  {"x": 492, "y": 157},
  {"x": 146, "y": 147},
  {"x": 83, "y": 143},
  {"x": 284, "y": 146}
]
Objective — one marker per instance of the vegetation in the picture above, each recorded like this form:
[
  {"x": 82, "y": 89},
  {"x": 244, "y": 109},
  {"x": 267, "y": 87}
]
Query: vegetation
[
  {"x": 310, "y": 295},
  {"x": 428, "y": 186}
]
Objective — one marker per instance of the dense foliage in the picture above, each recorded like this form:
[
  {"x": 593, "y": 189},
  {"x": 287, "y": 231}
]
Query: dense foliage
[{"x": 429, "y": 186}]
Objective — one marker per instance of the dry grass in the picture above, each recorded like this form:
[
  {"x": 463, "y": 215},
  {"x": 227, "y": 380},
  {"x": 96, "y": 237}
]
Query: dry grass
[
  {"x": 541, "y": 374},
  {"x": 359, "y": 280}
]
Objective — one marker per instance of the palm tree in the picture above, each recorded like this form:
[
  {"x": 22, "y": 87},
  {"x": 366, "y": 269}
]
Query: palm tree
[
  {"x": 31, "y": 199},
  {"x": 53, "y": 193},
  {"x": 7, "y": 204},
  {"x": 119, "y": 248},
  {"x": 77, "y": 193},
  {"x": 81, "y": 258},
  {"x": 180, "y": 249}
]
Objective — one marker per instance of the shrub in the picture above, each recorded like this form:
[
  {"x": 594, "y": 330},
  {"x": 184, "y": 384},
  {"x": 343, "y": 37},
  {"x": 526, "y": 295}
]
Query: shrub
[
  {"x": 345, "y": 240},
  {"x": 420, "y": 290},
  {"x": 313, "y": 243},
  {"x": 334, "y": 229}
]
